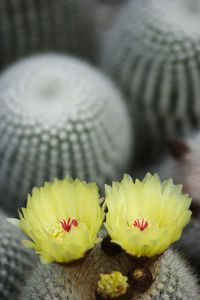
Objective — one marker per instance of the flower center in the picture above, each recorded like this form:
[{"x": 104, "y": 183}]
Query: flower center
[
  {"x": 67, "y": 225},
  {"x": 63, "y": 226},
  {"x": 141, "y": 223}
]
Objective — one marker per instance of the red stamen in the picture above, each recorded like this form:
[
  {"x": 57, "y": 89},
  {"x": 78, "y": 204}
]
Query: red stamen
[
  {"x": 74, "y": 222},
  {"x": 68, "y": 225},
  {"x": 142, "y": 224}
]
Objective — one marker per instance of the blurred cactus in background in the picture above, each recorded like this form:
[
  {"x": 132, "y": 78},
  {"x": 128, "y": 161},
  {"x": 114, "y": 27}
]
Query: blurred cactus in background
[
  {"x": 35, "y": 26},
  {"x": 153, "y": 53},
  {"x": 59, "y": 117},
  {"x": 16, "y": 261}
]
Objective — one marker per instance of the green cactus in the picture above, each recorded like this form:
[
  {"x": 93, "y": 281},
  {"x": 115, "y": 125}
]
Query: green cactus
[
  {"x": 173, "y": 279},
  {"x": 16, "y": 261},
  {"x": 153, "y": 53},
  {"x": 59, "y": 117},
  {"x": 35, "y": 26},
  {"x": 189, "y": 244}
]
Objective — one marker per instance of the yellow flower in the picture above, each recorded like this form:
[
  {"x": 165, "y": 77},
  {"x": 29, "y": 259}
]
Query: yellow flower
[
  {"x": 145, "y": 217},
  {"x": 112, "y": 285},
  {"x": 62, "y": 219}
]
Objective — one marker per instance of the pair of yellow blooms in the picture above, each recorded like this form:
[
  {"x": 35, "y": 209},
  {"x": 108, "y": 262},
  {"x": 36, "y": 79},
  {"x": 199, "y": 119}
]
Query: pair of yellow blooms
[{"x": 63, "y": 218}]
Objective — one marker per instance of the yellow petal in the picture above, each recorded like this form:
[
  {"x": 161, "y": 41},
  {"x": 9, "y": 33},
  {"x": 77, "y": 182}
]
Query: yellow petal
[
  {"x": 130, "y": 204},
  {"x": 62, "y": 219}
]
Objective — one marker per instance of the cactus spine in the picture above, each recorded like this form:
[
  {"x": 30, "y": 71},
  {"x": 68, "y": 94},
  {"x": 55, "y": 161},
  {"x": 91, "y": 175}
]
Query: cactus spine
[
  {"x": 59, "y": 117},
  {"x": 189, "y": 243},
  {"x": 173, "y": 279},
  {"x": 16, "y": 261},
  {"x": 35, "y": 26},
  {"x": 153, "y": 53}
]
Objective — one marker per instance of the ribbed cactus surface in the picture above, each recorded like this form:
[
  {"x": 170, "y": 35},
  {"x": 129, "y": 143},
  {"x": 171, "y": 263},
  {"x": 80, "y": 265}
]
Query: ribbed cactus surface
[
  {"x": 189, "y": 243},
  {"x": 173, "y": 279},
  {"x": 59, "y": 116},
  {"x": 32, "y": 26},
  {"x": 16, "y": 261},
  {"x": 153, "y": 53}
]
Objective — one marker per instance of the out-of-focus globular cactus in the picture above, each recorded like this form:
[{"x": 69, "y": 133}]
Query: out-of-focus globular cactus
[
  {"x": 59, "y": 117},
  {"x": 189, "y": 243},
  {"x": 16, "y": 261},
  {"x": 173, "y": 279},
  {"x": 32, "y": 26},
  {"x": 153, "y": 53}
]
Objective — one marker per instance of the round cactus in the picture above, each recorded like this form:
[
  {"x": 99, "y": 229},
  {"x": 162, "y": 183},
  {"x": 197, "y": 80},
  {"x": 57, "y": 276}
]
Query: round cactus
[
  {"x": 59, "y": 117},
  {"x": 153, "y": 52},
  {"x": 189, "y": 243},
  {"x": 31, "y": 26},
  {"x": 16, "y": 261},
  {"x": 173, "y": 279}
]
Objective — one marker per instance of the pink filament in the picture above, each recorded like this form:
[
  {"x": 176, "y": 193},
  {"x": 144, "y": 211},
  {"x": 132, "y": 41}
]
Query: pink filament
[
  {"x": 142, "y": 224},
  {"x": 67, "y": 225}
]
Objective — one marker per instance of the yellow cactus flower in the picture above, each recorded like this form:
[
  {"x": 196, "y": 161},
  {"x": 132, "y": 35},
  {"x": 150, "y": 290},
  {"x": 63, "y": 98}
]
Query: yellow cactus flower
[
  {"x": 145, "y": 217},
  {"x": 62, "y": 220},
  {"x": 112, "y": 285}
]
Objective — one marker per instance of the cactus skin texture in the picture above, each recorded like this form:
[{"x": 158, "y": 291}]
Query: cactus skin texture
[
  {"x": 59, "y": 116},
  {"x": 189, "y": 243},
  {"x": 16, "y": 261},
  {"x": 174, "y": 280},
  {"x": 153, "y": 53},
  {"x": 35, "y": 26}
]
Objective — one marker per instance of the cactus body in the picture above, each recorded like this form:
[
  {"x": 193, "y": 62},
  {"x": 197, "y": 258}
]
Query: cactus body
[
  {"x": 59, "y": 117},
  {"x": 189, "y": 243},
  {"x": 173, "y": 279},
  {"x": 16, "y": 262},
  {"x": 32, "y": 26},
  {"x": 153, "y": 53}
]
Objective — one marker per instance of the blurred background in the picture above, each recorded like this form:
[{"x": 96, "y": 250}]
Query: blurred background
[
  {"x": 60, "y": 114},
  {"x": 94, "y": 89}
]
